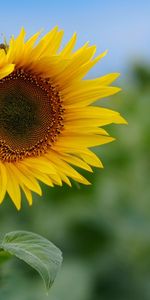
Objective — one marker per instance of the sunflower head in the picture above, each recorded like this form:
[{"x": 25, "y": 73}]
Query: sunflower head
[{"x": 47, "y": 121}]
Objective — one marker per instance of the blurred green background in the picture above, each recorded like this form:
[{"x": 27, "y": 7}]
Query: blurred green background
[{"x": 104, "y": 229}]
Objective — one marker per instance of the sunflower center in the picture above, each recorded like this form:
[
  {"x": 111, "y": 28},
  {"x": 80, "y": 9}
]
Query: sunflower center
[
  {"x": 31, "y": 116},
  {"x": 18, "y": 115}
]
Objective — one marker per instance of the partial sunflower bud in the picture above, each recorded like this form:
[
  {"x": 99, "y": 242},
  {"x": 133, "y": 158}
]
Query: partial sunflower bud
[{"x": 4, "y": 46}]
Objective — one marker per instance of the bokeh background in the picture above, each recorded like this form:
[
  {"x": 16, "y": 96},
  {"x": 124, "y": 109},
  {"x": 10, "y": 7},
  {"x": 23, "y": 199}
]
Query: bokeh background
[{"x": 104, "y": 229}]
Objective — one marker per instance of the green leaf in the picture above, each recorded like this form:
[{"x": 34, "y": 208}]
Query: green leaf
[
  {"x": 4, "y": 256},
  {"x": 36, "y": 251}
]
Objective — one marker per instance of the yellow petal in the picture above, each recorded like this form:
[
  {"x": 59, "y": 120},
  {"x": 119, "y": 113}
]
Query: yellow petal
[
  {"x": 13, "y": 188},
  {"x": 65, "y": 168},
  {"x": 91, "y": 158},
  {"x": 56, "y": 179},
  {"x": 84, "y": 153},
  {"x": 27, "y": 193},
  {"x": 69, "y": 46},
  {"x": 71, "y": 159},
  {"x": 73, "y": 128},
  {"x": 65, "y": 178},
  {"x": 103, "y": 80},
  {"x": 16, "y": 48},
  {"x": 40, "y": 164},
  {"x": 86, "y": 67},
  {"x": 92, "y": 116},
  {"x": 42, "y": 177},
  {"x": 83, "y": 140},
  {"x": 89, "y": 95},
  {"x": 3, "y": 181},
  {"x": 34, "y": 185},
  {"x": 69, "y": 74},
  {"x": 3, "y": 58},
  {"x": 56, "y": 45},
  {"x": 31, "y": 41},
  {"x": 92, "y": 83},
  {"x": 5, "y": 71},
  {"x": 81, "y": 66},
  {"x": 23, "y": 179},
  {"x": 89, "y": 112},
  {"x": 45, "y": 44}
]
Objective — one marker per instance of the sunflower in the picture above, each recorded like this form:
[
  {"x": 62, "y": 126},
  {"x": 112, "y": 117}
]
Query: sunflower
[{"x": 47, "y": 122}]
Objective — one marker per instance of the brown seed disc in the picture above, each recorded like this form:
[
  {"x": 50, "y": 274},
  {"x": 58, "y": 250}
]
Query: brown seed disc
[{"x": 31, "y": 115}]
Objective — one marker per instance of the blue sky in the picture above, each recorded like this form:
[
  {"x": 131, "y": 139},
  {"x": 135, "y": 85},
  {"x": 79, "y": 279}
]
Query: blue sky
[{"x": 122, "y": 27}]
